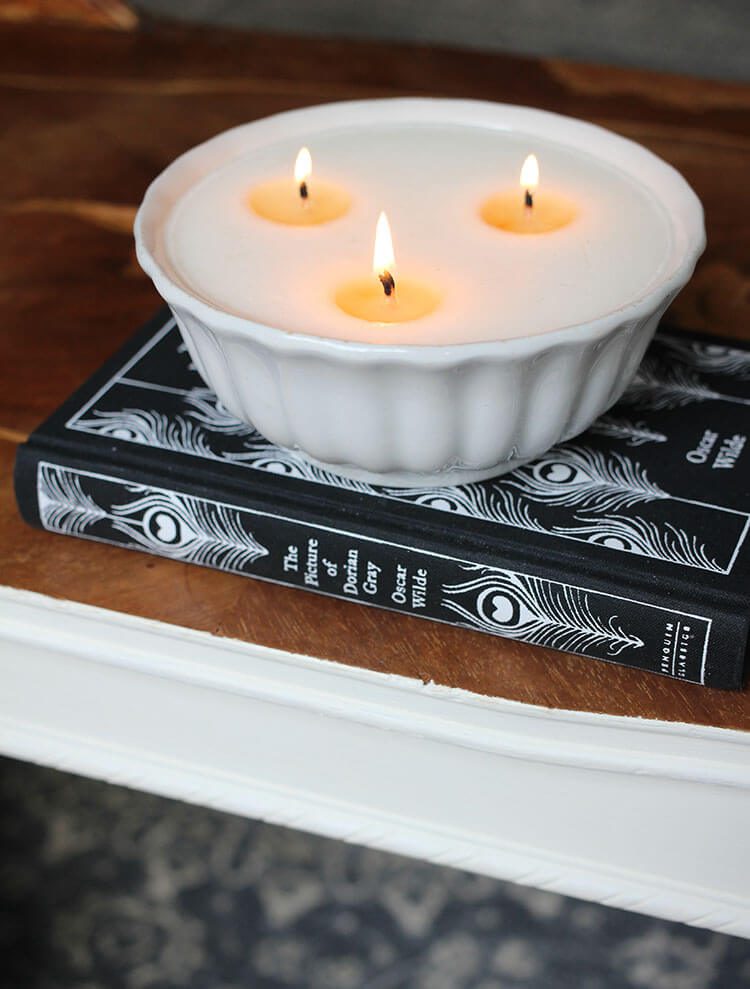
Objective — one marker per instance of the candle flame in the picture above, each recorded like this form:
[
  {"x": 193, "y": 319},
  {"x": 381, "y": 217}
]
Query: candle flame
[
  {"x": 530, "y": 174},
  {"x": 383, "y": 258},
  {"x": 303, "y": 166}
]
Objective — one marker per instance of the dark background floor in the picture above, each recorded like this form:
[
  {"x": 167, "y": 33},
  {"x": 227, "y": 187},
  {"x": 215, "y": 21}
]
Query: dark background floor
[
  {"x": 105, "y": 888},
  {"x": 700, "y": 37}
]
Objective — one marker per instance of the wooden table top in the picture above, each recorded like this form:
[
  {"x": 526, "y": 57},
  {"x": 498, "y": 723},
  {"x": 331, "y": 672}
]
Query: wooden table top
[{"x": 88, "y": 117}]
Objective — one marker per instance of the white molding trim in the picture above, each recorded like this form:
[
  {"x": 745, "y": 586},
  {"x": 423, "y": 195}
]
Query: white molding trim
[{"x": 645, "y": 815}]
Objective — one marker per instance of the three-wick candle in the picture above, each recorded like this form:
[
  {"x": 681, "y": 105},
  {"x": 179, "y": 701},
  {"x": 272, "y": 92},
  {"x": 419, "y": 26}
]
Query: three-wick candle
[{"x": 484, "y": 282}]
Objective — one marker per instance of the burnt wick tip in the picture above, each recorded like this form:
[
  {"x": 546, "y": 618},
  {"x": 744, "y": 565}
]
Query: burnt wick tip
[
  {"x": 303, "y": 190},
  {"x": 528, "y": 199},
  {"x": 388, "y": 283}
]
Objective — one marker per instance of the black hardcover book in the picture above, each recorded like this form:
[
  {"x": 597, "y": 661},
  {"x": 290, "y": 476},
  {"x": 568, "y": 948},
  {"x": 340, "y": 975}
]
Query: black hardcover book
[{"x": 628, "y": 543}]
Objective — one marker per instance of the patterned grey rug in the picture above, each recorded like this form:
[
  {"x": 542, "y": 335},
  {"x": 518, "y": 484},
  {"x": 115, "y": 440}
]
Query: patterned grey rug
[{"x": 106, "y": 888}]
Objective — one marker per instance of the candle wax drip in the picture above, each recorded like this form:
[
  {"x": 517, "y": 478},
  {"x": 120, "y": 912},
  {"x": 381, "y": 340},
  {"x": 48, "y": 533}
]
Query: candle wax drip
[
  {"x": 370, "y": 299},
  {"x": 303, "y": 205},
  {"x": 538, "y": 214}
]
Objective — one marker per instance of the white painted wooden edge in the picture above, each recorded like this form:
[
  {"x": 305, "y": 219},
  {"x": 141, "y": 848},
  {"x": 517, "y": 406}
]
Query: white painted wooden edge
[{"x": 647, "y": 815}]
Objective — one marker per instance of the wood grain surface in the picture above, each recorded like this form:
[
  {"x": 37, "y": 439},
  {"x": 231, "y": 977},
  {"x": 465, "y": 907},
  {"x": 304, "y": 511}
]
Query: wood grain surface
[{"x": 88, "y": 117}]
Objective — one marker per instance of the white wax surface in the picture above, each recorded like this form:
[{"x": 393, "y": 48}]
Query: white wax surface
[{"x": 431, "y": 180}]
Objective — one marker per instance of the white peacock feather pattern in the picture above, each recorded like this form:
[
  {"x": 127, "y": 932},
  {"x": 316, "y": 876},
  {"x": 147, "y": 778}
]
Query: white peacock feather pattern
[
  {"x": 189, "y": 529},
  {"x": 658, "y": 387},
  {"x": 714, "y": 358},
  {"x": 164, "y": 522},
  {"x": 476, "y": 501},
  {"x": 535, "y": 610},
  {"x": 63, "y": 504},
  {"x": 634, "y": 433},
  {"x": 262, "y": 455},
  {"x": 183, "y": 435},
  {"x": 209, "y": 412},
  {"x": 587, "y": 485},
  {"x": 636, "y": 535},
  {"x": 480, "y": 501},
  {"x": 151, "y": 429},
  {"x": 580, "y": 476}
]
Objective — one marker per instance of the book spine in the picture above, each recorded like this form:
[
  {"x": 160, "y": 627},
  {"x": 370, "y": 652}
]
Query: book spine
[{"x": 477, "y": 593}]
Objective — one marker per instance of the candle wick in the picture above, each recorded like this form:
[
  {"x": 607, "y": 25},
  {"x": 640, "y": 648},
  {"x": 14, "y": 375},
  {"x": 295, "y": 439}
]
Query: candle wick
[
  {"x": 388, "y": 282},
  {"x": 303, "y": 190},
  {"x": 528, "y": 199}
]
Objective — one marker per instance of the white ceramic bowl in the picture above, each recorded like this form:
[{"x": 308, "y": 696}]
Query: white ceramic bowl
[{"x": 419, "y": 415}]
